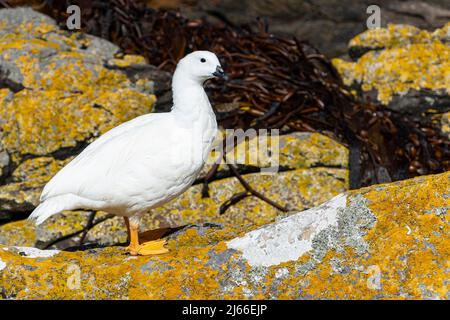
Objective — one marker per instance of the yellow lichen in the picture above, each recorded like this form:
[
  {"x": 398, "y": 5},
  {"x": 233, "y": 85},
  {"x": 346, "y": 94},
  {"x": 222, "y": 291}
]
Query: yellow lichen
[
  {"x": 295, "y": 151},
  {"x": 18, "y": 233},
  {"x": 411, "y": 59},
  {"x": 63, "y": 84},
  {"x": 391, "y": 36},
  {"x": 42, "y": 122},
  {"x": 128, "y": 60}
]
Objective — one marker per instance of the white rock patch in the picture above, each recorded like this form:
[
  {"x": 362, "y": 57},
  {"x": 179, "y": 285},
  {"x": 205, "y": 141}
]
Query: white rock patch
[
  {"x": 289, "y": 238},
  {"x": 31, "y": 252},
  {"x": 2, "y": 265}
]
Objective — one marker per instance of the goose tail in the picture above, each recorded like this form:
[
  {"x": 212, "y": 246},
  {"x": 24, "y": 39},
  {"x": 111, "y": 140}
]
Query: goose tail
[{"x": 49, "y": 208}]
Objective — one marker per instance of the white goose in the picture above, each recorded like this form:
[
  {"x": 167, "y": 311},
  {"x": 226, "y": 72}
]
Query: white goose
[{"x": 145, "y": 162}]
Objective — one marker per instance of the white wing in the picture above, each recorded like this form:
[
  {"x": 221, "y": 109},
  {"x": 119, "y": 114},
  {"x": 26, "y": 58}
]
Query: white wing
[{"x": 96, "y": 171}]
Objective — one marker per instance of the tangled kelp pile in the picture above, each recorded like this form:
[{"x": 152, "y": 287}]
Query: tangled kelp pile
[{"x": 274, "y": 82}]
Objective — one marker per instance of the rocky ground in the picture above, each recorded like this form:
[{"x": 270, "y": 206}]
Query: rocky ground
[
  {"x": 385, "y": 241},
  {"x": 61, "y": 90}
]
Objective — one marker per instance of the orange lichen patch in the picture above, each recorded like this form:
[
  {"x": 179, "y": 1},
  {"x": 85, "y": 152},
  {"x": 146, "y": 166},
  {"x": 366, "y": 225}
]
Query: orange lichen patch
[
  {"x": 410, "y": 59},
  {"x": 38, "y": 170},
  {"x": 82, "y": 275},
  {"x": 409, "y": 246},
  {"x": 183, "y": 273},
  {"x": 417, "y": 241},
  {"x": 4, "y": 94},
  {"x": 28, "y": 44},
  {"x": 65, "y": 223},
  {"x": 28, "y": 180},
  {"x": 64, "y": 84},
  {"x": 20, "y": 193},
  {"x": 75, "y": 76},
  {"x": 62, "y": 275},
  {"x": 32, "y": 28}
]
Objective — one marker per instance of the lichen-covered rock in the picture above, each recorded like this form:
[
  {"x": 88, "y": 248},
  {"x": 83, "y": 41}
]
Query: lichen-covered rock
[
  {"x": 21, "y": 193},
  {"x": 296, "y": 189},
  {"x": 381, "y": 242},
  {"x": 298, "y": 150},
  {"x": 62, "y": 91},
  {"x": 18, "y": 233},
  {"x": 402, "y": 67},
  {"x": 394, "y": 36},
  {"x": 4, "y": 162}
]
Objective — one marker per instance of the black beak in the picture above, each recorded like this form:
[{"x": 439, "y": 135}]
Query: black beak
[{"x": 219, "y": 73}]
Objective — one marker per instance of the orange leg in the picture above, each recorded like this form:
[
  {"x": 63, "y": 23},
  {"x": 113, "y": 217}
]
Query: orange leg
[
  {"x": 127, "y": 223},
  {"x": 146, "y": 248}
]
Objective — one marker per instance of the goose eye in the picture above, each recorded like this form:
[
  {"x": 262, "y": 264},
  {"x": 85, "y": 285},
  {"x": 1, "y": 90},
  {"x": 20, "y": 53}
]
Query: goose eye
[{"x": 203, "y": 60}]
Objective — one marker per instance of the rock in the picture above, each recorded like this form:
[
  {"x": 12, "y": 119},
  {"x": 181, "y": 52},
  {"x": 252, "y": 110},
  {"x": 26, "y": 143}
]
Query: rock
[
  {"x": 107, "y": 50},
  {"x": 297, "y": 189},
  {"x": 21, "y": 193},
  {"x": 386, "y": 241},
  {"x": 58, "y": 92},
  {"x": 4, "y": 163},
  {"x": 11, "y": 19},
  {"x": 18, "y": 233},
  {"x": 314, "y": 170},
  {"x": 401, "y": 67},
  {"x": 340, "y": 19},
  {"x": 288, "y": 152}
]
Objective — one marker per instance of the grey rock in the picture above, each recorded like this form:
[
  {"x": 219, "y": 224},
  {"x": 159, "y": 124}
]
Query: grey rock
[
  {"x": 4, "y": 163},
  {"x": 18, "y": 16},
  {"x": 100, "y": 47},
  {"x": 327, "y": 24}
]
